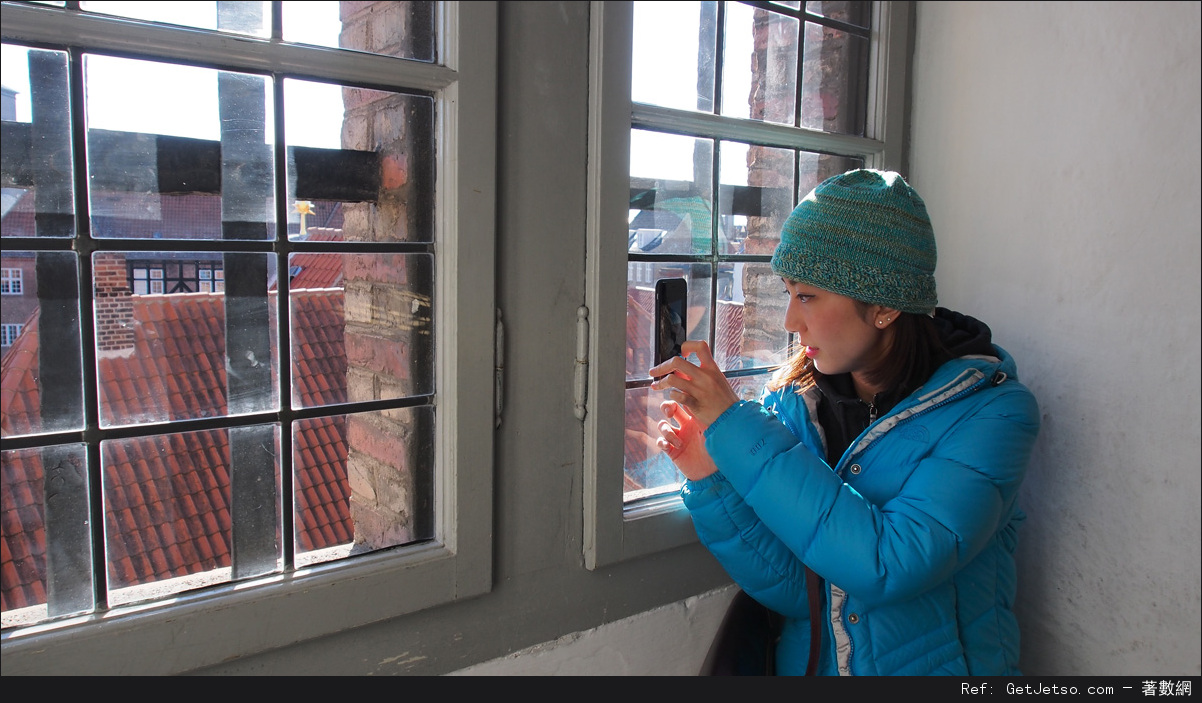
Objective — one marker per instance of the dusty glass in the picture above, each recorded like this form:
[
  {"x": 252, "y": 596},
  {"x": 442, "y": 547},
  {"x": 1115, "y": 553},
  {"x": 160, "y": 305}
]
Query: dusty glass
[
  {"x": 759, "y": 68},
  {"x": 248, "y": 18},
  {"x": 671, "y": 194},
  {"x": 178, "y": 152},
  {"x": 405, "y": 30},
  {"x": 183, "y": 354},
  {"x": 392, "y": 452},
  {"x": 172, "y": 516},
  {"x": 360, "y": 164},
  {"x": 47, "y": 533},
  {"x": 674, "y": 54},
  {"x": 43, "y": 367},
  {"x": 834, "y": 95},
  {"x": 361, "y": 327},
  {"x": 38, "y": 194}
]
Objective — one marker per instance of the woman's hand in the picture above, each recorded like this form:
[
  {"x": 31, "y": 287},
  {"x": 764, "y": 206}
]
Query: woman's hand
[
  {"x": 701, "y": 389},
  {"x": 683, "y": 442}
]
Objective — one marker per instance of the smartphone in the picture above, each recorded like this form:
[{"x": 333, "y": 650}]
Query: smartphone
[{"x": 671, "y": 307}]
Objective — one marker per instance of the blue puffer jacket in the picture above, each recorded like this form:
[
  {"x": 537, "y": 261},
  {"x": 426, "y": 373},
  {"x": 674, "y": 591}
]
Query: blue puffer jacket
[{"x": 913, "y": 532}]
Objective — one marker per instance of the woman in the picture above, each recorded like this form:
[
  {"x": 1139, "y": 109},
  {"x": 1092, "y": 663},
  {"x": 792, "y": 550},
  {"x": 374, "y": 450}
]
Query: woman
[{"x": 883, "y": 463}]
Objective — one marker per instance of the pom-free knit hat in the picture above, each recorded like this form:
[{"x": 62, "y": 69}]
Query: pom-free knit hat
[{"x": 864, "y": 234}]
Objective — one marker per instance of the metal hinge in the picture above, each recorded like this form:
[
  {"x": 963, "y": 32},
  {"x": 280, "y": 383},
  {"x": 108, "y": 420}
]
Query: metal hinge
[
  {"x": 580, "y": 382},
  {"x": 499, "y": 368}
]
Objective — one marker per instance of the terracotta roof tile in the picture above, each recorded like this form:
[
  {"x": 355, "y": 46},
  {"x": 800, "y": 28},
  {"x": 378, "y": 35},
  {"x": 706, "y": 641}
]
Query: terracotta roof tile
[{"x": 166, "y": 498}]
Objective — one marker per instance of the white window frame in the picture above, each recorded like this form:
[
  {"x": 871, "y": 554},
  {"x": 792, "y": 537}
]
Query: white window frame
[
  {"x": 614, "y": 530},
  {"x": 11, "y": 332},
  {"x": 13, "y": 282},
  {"x": 205, "y": 628}
]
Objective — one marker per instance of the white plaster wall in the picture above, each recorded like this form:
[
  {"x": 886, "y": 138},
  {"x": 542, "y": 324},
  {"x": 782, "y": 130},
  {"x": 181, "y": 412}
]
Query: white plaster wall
[
  {"x": 668, "y": 641},
  {"x": 1057, "y": 148}
]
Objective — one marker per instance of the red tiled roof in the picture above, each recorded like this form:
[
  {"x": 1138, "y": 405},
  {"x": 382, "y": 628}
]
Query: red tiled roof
[{"x": 167, "y": 497}]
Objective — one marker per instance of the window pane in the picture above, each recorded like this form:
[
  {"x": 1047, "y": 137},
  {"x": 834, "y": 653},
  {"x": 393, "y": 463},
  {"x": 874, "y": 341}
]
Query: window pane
[
  {"x": 640, "y": 304},
  {"x": 252, "y": 18},
  {"x": 38, "y": 196},
  {"x": 816, "y": 168},
  {"x": 360, "y": 164},
  {"x": 170, "y": 522},
  {"x": 647, "y": 470},
  {"x": 178, "y": 152},
  {"x": 756, "y": 195},
  {"x": 42, "y": 370},
  {"x": 759, "y": 75},
  {"x": 402, "y": 29},
  {"x": 834, "y": 95},
  {"x": 183, "y": 356},
  {"x": 671, "y": 199},
  {"x": 46, "y": 533},
  {"x": 361, "y": 327},
  {"x": 363, "y": 482},
  {"x": 675, "y": 51},
  {"x": 857, "y": 12}
]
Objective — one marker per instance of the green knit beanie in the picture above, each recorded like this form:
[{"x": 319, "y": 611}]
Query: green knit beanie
[{"x": 864, "y": 234}]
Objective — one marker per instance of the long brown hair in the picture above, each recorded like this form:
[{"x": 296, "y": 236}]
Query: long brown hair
[{"x": 915, "y": 351}]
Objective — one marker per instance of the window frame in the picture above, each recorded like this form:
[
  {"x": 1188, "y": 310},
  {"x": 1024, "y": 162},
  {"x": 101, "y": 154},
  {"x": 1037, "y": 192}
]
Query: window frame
[
  {"x": 197, "y": 629},
  {"x": 615, "y": 530},
  {"x": 12, "y": 330},
  {"x": 13, "y": 282}
]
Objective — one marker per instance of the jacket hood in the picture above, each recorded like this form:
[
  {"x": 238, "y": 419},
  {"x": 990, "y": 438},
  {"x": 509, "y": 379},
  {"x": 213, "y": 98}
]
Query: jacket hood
[{"x": 963, "y": 335}]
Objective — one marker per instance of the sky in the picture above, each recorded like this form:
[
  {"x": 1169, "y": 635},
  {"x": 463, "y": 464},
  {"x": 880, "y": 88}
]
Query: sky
[
  {"x": 158, "y": 98},
  {"x": 664, "y": 64}
]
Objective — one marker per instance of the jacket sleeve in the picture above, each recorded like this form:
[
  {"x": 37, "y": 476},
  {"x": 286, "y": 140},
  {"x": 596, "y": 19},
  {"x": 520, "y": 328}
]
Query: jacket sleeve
[
  {"x": 753, "y": 556},
  {"x": 952, "y": 502}
]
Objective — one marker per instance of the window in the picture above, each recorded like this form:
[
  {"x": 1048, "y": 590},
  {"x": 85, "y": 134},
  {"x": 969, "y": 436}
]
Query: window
[
  {"x": 9, "y": 334},
  {"x": 211, "y": 439},
  {"x": 10, "y": 282},
  {"x": 711, "y": 120}
]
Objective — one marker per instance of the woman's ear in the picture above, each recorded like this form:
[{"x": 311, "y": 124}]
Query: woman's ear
[{"x": 882, "y": 316}]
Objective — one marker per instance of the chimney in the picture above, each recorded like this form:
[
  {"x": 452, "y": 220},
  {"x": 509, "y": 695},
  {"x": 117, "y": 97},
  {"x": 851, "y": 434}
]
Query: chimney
[{"x": 113, "y": 305}]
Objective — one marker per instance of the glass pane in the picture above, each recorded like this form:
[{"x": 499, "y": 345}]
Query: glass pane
[
  {"x": 857, "y": 12},
  {"x": 674, "y": 54},
  {"x": 361, "y": 327},
  {"x": 360, "y": 164},
  {"x": 671, "y": 198},
  {"x": 168, "y": 351},
  {"x": 816, "y": 168},
  {"x": 46, "y": 534},
  {"x": 640, "y": 304},
  {"x": 42, "y": 371},
  {"x": 252, "y": 18},
  {"x": 750, "y": 387},
  {"x": 363, "y": 482},
  {"x": 647, "y": 470},
  {"x": 38, "y": 196},
  {"x": 178, "y": 152},
  {"x": 756, "y": 195},
  {"x": 402, "y": 29},
  {"x": 834, "y": 95},
  {"x": 759, "y": 69},
  {"x": 753, "y": 329},
  {"x": 170, "y": 522}
]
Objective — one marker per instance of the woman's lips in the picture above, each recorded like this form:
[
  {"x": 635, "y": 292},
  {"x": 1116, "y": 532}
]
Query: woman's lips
[{"x": 811, "y": 352}]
